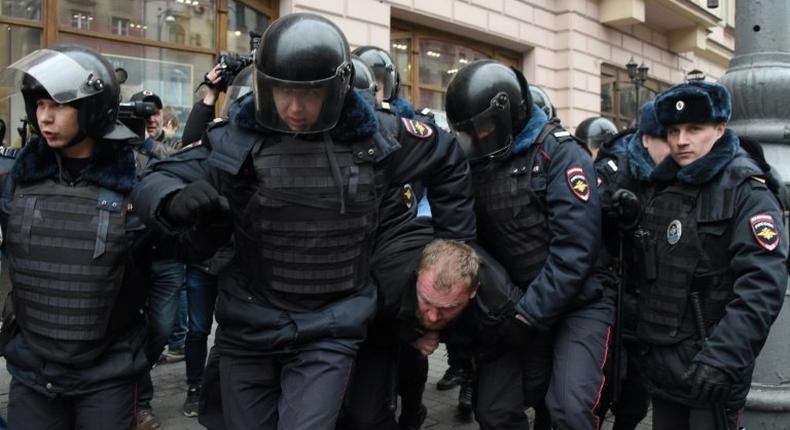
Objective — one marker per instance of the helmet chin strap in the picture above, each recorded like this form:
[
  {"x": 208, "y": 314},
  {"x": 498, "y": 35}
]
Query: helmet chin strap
[{"x": 76, "y": 139}]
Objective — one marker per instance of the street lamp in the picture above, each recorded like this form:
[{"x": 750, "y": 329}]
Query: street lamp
[{"x": 638, "y": 75}]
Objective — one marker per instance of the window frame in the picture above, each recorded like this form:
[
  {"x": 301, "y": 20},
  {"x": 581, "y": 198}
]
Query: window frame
[{"x": 415, "y": 33}]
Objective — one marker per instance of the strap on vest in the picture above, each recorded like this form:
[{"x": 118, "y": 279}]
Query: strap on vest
[{"x": 230, "y": 156}]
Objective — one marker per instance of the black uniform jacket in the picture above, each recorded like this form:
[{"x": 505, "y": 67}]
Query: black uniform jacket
[
  {"x": 401, "y": 153},
  {"x": 755, "y": 253}
]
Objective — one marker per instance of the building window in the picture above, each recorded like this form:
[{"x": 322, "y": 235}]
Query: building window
[
  {"x": 619, "y": 99},
  {"x": 120, "y": 26},
  {"x": 81, "y": 19},
  {"x": 25, "y": 9},
  {"x": 186, "y": 22},
  {"x": 15, "y": 43},
  {"x": 242, "y": 19},
  {"x": 427, "y": 59}
]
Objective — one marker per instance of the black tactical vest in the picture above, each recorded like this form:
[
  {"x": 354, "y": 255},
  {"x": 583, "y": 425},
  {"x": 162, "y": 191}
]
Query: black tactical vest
[
  {"x": 66, "y": 247},
  {"x": 689, "y": 227},
  {"x": 510, "y": 203},
  {"x": 309, "y": 226}
]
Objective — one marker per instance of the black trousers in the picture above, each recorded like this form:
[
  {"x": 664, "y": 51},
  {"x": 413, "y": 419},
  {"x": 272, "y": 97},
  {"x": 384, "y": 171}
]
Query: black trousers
[
  {"x": 292, "y": 391},
  {"x": 634, "y": 400},
  {"x": 566, "y": 364},
  {"x": 113, "y": 408},
  {"x": 366, "y": 405},
  {"x": 371, "y": 382},
  {"x": 676, "y": 416},
  {"x": 412, "y": 376},
  {"x": 210, "y": 409}
]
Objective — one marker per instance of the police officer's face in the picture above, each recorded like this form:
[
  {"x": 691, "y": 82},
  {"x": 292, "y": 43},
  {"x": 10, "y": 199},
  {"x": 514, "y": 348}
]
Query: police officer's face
[
  {"x": 690, "y": 142},
  {"x": 437, "y": 308},
  {"x": 299, "y": 108},
  {"x": 657, "y": 147},
  {"x": 59, "y": 123}
]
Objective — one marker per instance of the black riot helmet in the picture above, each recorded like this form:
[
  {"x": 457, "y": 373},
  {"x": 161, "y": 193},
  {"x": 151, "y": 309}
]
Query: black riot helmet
[
  {"x": 542, "y": 101},
  {"x": 76, "y": 76},
  {"x": 383, "y": 68},
  {"x": 239, "y": 86},
  {"x": 596, "y": 131},
  {"x": 303, "y": 74},
  {"x": 488, "y": 104},
  {"x": 364, "y": 79}
]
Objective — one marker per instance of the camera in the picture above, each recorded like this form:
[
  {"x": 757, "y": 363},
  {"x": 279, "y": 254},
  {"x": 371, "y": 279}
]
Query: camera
[
  {"x": 135, "y": 114},
  {"x": 232, "y": 63}
]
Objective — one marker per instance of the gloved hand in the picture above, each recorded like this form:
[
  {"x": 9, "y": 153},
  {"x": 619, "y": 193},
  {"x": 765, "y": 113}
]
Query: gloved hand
[
  {"x": 708, "y": 384},
  {"x": 196, "y": 200},
  {"x": 626, "y": 208}
]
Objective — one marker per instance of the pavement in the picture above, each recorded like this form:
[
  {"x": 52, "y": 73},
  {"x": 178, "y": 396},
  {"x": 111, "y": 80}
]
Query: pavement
[{"x": 170, "y": 392}]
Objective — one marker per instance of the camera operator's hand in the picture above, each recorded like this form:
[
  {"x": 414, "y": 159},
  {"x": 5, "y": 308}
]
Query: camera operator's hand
[
  {"x": 626, "y": 208},
  {"x": 212, "y": 80},
  {"x": 196, "y": 200},
  {"x": 217, "y": 78}
]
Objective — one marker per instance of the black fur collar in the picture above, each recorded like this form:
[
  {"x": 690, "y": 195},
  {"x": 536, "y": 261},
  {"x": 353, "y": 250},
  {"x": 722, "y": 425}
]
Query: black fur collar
[
  {"x": 357, "y": 120},
  {"x": 703, "y": 169},
  {"x": 112, "y": 166}
]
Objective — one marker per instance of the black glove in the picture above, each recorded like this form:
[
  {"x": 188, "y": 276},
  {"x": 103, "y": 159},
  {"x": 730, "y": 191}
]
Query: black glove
[
  {"x": 626, "y": 208},
  {"x": 198, "y": 200},
  {"x": 708, "y": 384}
]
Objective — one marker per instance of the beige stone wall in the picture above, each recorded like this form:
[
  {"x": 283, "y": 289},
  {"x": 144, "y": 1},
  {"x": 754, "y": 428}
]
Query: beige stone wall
[{"x": 563, "y": 42}]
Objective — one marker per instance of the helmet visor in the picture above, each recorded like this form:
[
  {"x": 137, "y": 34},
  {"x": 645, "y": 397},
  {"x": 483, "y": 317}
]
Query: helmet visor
[
  {"x": 487, "y": 133},
  {"x": 300, "y": 106},
  {"x": 63, "y": 78},
  {"x": 233, "y": 93},
  {"x": 385, "y": 77}
]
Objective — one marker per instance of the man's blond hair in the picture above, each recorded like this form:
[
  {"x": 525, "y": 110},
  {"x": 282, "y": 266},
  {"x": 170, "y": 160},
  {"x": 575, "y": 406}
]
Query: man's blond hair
[{"x": 452, "y": 262}]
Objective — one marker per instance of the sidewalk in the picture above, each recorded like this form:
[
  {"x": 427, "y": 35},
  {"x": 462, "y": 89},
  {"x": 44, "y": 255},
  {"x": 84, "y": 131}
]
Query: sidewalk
[{"x": 170, "y": 391}]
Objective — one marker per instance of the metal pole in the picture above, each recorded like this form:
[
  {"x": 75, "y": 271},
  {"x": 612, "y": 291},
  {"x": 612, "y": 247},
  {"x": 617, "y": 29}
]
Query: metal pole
[{"x": 759, "y": 79}]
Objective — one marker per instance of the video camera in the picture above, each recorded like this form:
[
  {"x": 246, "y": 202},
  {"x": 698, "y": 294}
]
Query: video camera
[
  {"x": 232, "y": 63},
  {"x": 135, "y": 114}
]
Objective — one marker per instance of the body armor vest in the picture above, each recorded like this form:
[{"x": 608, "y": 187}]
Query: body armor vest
[
  {"x": 510, "y": 203},
  {"x": 66, "y": 247},
  {"x": 309, "y": 226},
  {"x": 691, "y": 238}
]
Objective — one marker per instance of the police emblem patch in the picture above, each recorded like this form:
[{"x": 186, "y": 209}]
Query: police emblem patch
[
  {"x": 764, "y": 230},
  {"x": 577, "y": 181},
  {"x": 408, "y": 196},
  {"x": 417, "y": 128},
  {"x": 674, "y": 232},
  {"x": 680, "y": 105}
]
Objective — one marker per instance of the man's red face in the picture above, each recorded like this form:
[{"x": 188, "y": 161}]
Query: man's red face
[{"x": 435, "y": 308}]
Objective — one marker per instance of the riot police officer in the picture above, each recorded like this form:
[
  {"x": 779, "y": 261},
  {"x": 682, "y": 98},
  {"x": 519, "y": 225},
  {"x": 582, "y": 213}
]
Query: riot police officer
[
  {"x": 537, "y": 211},
  {"x": 720, "y": 269},
  {"x": 625, "y": 164},
  {"x": 301, "y": 165},
  {"x": 73, "y": 336},
  {"x": 595, "y": 131},
  {"x": 542, "y": 101}
]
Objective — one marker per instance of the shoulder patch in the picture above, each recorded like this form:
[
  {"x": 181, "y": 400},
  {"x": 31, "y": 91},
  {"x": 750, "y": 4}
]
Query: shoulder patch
[
  {"x": 417, "y": 128},
  {"x": 577, "y": 181},
  {"x": 216, "y": 122},
  {"x": 192, "y": 145},
  {"x": 8, "y": 152},
  {"x": 408, "y": 196},
  {"x": 764, "y": 230}
]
